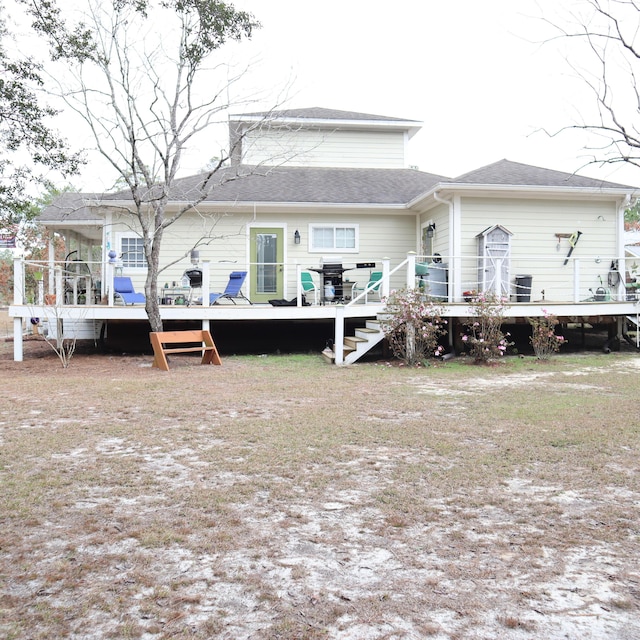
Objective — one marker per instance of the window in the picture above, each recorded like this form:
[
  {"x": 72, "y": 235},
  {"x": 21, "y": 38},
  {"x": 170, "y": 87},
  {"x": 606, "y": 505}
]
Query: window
[
  {"x": 333, "y": 237},
  {"x": 132, "y": 251}
]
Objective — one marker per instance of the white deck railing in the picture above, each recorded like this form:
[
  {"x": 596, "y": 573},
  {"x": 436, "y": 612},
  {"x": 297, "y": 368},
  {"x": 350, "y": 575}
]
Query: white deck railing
[{"x": 518, "y": 278}]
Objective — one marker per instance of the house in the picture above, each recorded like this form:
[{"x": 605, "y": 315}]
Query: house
[{"x": 309, "y": 187}]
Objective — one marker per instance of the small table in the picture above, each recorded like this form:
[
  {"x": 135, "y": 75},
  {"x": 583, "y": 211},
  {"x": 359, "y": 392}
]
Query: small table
[{"x": 175, "y": 295}]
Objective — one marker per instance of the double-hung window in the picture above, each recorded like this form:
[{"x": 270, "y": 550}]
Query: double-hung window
[
  {"x": 132, "y": 250},
  {"x": 343, "y": 238}
]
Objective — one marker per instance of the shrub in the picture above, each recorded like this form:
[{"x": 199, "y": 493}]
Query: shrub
[
  {"x": 413, "y": 326},
  {"x": 484, "y": 335},
  {"x": 543, "y": 339}
]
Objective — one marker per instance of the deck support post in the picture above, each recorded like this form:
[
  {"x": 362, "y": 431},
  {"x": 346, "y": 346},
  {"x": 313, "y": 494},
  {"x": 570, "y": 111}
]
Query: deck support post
[
  {"x": 386, "y": 268},
  {"x": 338, "y": 343},
  {"x": 18, "y": 281},
  {"x": 411, "y": 271},
  {"x": 18, "y": 299},
  {"x": 206, "y": 285},
  {"x": 110, "y": 274},
  {"x": 298, "y": 285},
  {"x": 18, "y": 352}
]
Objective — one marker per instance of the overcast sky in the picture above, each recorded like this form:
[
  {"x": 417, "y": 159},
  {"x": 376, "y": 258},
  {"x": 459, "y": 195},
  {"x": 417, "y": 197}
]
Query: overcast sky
[{"x": 474, "y": 72}]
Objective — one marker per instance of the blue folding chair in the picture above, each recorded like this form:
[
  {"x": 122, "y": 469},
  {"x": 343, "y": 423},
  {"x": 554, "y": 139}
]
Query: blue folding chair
[
  {"x": 232, "y": 291},
  {"x": 123, "y": 289}
]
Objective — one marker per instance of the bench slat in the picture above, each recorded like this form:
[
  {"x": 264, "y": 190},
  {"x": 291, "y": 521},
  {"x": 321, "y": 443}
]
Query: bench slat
[{"x": 189, "y": 349}]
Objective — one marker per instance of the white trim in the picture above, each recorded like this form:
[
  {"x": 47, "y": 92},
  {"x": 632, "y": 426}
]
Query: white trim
[
  {"x": 334, "y": 226},
  {"x": 249, "y": 257},
  {"x": 118, "y": 237}
]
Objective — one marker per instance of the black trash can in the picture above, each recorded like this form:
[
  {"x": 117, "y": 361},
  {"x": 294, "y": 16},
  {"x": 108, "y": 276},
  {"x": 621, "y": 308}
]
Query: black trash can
[{"x": 523, "y": 288}]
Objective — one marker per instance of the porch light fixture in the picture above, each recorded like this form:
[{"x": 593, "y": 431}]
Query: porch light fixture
[
  {"x": 431, "y": 229},
  {"x": 296, "y": 237},
  {"x": 195, "y": 257}
]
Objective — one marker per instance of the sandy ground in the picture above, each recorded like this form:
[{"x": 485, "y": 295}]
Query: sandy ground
[{"x": 305, "y": 551}]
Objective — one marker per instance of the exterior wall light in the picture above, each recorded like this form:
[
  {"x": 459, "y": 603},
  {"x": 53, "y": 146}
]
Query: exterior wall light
[
  {"x": 296, "y": 237},
  {"x": 431, "y": 229}
]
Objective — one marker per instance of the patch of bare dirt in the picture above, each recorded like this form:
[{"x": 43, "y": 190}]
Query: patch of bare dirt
[{"x": 250, "y": 501}]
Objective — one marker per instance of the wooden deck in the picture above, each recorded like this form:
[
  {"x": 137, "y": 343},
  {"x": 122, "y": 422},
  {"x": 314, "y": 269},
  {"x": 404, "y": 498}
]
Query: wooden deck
[{"x": 95, "y": 316}]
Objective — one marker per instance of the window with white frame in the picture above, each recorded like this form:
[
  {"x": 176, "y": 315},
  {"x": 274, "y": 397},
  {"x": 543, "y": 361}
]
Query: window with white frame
[
  {"x": 333, "y": 237},
  {"x": 132, "y": 251}
]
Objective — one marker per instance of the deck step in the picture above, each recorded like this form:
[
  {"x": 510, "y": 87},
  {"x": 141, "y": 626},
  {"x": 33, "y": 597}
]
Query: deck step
[
  {"x": 329, "y": 355},
  {"x": 352, "y": 342}
]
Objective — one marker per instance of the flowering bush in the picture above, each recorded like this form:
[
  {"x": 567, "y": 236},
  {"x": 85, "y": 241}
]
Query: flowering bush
[
  {"x": 543, "y": 339},
  {"x": 484, "y": 335},
  {"x": 412, "y": 326}
]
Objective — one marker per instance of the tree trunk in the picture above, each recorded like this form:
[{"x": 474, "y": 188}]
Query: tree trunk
[
  {"x": 152, "y": 305},
  {"x": 410, "y": 343}
]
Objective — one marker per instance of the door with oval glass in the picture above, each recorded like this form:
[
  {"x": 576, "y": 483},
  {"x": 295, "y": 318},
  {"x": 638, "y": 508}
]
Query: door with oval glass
[{"x": 266, "y": 246}]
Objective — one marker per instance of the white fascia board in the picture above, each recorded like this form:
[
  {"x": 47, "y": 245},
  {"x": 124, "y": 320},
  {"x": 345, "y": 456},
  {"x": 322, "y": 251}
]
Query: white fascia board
[
  {"x": 411, "y": 126},
  {"x": 295, "y": 206},
  {"x": 445, "y": 189},
  {"x": 66, "y": 224},
  {"x": 215, "y": 206}
]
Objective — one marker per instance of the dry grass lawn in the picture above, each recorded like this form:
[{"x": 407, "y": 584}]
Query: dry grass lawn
[{"x": 279, "y": 497}]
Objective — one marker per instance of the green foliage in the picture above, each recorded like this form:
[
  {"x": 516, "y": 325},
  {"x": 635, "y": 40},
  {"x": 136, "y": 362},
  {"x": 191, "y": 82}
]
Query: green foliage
[
  {"x": 413, "y": 326},
  {"x": 208, "y": 24},
  {"x": 632, "y": 215},
  {"x": 484, "y": 335},
  {"x": 543, "y": 339},
  {"x": 24, "y": 130}
]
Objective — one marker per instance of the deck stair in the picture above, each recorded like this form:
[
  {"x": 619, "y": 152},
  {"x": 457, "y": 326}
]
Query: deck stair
[{"x": 356, "y": 346}]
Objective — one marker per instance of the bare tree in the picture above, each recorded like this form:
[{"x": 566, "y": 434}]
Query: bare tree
[
  {"x": 602, "y": 39},
  {"x": 145, "y": 80}
]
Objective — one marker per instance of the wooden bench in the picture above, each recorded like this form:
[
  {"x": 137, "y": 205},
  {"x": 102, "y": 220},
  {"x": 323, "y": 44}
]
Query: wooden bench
[{"x": 161, "y": 338}]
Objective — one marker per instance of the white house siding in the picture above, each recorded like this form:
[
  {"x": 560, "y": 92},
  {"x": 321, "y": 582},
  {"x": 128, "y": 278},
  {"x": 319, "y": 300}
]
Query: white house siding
[
  {"x": 326, "y": 148},
  {"x": 534, "y": 245},
  {"x": 380, "y": 236},
  {"x": 390, "y": 235},
  {"x": 440, "y": 217}
]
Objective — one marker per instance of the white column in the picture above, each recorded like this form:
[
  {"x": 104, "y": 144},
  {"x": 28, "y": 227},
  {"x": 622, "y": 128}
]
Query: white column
[
  {"x": 206, "y": 283},
  {"x": 411, "y": 270},
  {"x": 110, "y": 275},
  {"x": 18, "y": 281},
  {"x": 18, "y": 354},
  {"x": 59, "y": 289},
  {"x": 386, "y": 268},
  {"x": 576, "y": 280}
]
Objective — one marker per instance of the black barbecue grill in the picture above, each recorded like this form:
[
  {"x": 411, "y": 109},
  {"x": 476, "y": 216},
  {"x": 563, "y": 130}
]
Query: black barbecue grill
[{"x": 332, "y": 283}]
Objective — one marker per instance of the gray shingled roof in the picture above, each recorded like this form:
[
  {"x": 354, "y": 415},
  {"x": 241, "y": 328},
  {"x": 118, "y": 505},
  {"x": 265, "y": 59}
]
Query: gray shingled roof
[
  {"x": 71, "y": 206},
  {"x": 319, "y": 113},
  {"x": 307, "y": 185},
  {"x": 506, "y": 172},
  {"x": 317, "y": 185}
]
